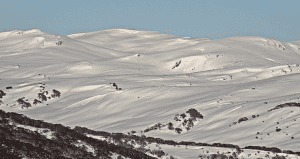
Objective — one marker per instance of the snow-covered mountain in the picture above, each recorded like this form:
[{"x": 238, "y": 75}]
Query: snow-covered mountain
[{"x": 119, "y": 80}]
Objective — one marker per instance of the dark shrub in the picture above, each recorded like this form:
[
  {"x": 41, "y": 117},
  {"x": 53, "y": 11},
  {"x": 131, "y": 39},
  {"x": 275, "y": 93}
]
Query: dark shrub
[
  {"x": 23, "y": 103},
  {"x": 170, "y": 126},
  {"x": 42, "y": 96},
  {"x": 279, "y": 157},
  {"x": 132, "y": 131},
  {"x": 177, "y": 64},
  {"x": 59, "y": 43},
  {"x": 158, "y": 153},
  {"x": 292, "y": 104},
  {"x": 234, "y": 155},
  {"x": 194, "y": 113},
  {"x": 275, "y": 150},
  {"x": 190, "y": 122},
  {"x": 242, "y": 119},
  {"x": 56, "y": 93},
  {"x": 218, "y": 156},
  {"x": 2, "y": 94},
  {"x": 288, "y": 151},
  {"x": 36, "y": 101},
  {"x": 253, "y": 116},
  {"x": 176, "y": 117},
  {"x": 184, "y": 123},
  {"x": 183, "y": 115},
  {"x": 120, "y": 157},
  {"x": 45, "y": 131},
  {"x": 9, "y": 87},
  {"x": 178, "y": 130},
  {"x": 277, "y": 129}
]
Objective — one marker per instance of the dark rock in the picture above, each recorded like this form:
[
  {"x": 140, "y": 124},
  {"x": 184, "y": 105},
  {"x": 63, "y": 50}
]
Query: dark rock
[
  {"x": 2, "y": 94},
  {"x": 9, "y": 87}
]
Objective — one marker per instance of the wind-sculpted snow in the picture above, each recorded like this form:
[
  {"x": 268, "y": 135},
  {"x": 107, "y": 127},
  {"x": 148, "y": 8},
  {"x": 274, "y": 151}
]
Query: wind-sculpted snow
[
  {"x": 25, "y": 103},
  {"x": 119, "y": 80}
]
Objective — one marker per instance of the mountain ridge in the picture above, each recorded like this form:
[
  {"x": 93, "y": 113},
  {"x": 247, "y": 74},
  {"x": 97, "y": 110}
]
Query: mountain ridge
[{"x": 223, "y": 79}]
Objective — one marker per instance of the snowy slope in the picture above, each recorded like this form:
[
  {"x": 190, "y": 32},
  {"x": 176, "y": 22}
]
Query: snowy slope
[{"x": 159, "y": 75}]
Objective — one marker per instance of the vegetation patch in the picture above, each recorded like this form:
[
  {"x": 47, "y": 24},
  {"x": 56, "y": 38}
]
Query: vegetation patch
[
  {"x": 56, "y": 93},
  {"x": 23, "y": 103},
  {"x": 292, "y": 104},
  {"x": 177, "y": 64}
]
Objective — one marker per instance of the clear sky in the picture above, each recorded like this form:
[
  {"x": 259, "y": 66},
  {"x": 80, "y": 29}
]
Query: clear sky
[{"x": 193, "y": 18}]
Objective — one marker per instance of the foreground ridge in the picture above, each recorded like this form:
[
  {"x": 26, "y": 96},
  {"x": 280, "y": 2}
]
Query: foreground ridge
[
  {"x": 18, "y": 141},
  {"x": 64, "y": 142}
]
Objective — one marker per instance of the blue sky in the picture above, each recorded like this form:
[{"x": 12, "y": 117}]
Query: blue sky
[{"x": 211, "y": 18}]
